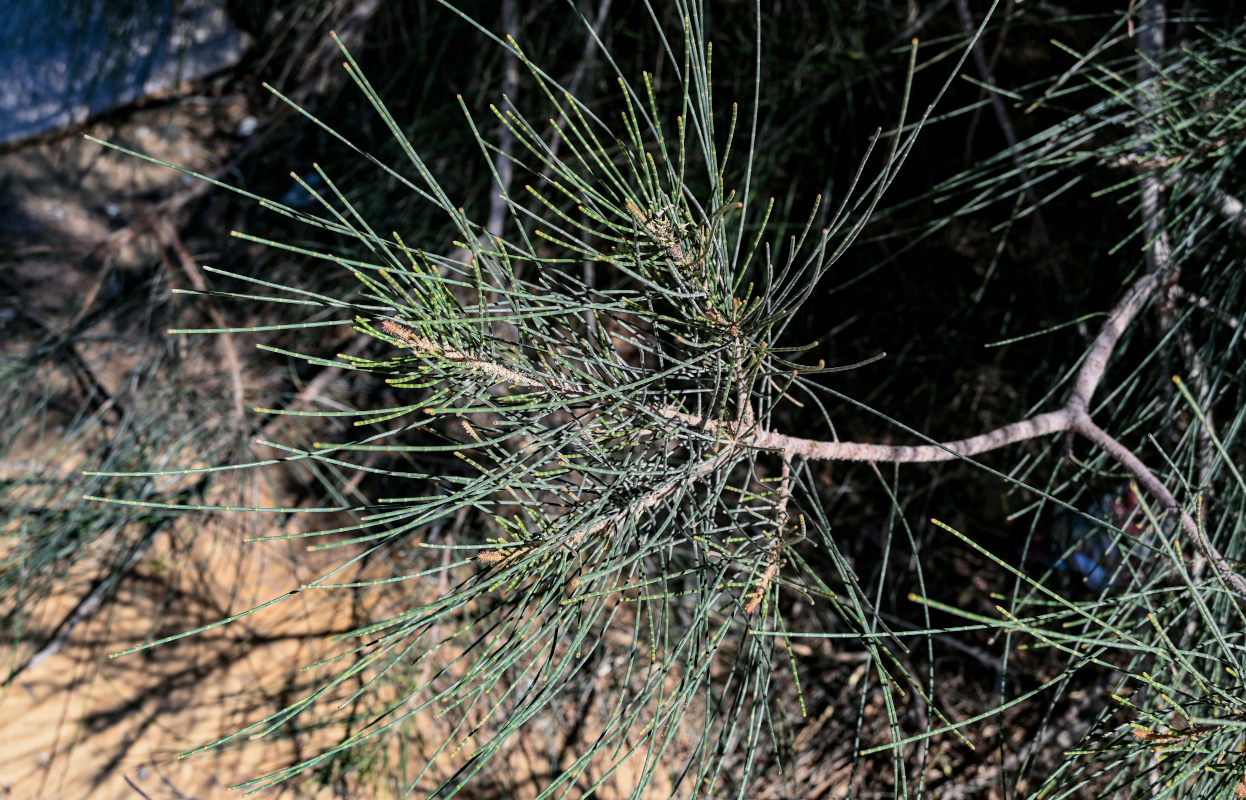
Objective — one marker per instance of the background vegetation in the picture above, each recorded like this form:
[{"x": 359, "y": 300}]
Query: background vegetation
[{"x": 1033, "y": 620}]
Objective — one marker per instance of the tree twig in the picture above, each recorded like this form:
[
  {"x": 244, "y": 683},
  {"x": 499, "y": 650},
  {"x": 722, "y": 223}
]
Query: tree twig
[
  {"x": 90, "y": 602},
  {"x": 229, "y": 350},
  {"x": 503, "y": 162},
  {"x": 1213, "y": 197},
  {"x": 1074, "y": 417}
]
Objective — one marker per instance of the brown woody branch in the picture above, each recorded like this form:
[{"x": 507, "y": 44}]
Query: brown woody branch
[
  {"x": 166, "y": 230},
  {"x": 1069, "y": 418},
  {"x": 1074, "y": 417}
]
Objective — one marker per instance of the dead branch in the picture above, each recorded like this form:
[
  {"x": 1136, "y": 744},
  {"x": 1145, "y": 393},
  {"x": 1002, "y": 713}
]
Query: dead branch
[
  {"x": 1177, "y": 293},
  {"x": 167, "y": 232},
  {"x": 1213, "y": 197},
  {"x": 91, "y": 601}
]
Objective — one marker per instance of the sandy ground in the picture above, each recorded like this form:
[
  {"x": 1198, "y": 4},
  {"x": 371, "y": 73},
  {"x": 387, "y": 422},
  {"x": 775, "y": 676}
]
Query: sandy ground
[
  {"x": 80, "y": 723},
  {"x": 83, "y": 721}
]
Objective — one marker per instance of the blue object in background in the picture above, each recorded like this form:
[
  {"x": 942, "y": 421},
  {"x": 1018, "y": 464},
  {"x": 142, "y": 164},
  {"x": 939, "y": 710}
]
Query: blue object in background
[
  {"x": 1087, "y": 547},
  {"x": 65, "y": 60}
]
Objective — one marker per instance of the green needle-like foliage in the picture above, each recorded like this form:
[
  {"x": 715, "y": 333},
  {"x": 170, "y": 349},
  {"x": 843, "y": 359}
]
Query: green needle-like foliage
[
  {"x": 597, "y": 435},
  {"x": 582, "y": 426},
  {"x": 1161, "y": 140}
]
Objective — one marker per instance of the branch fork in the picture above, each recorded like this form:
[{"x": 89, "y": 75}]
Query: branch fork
[{"x": 1074, "y": 417}]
